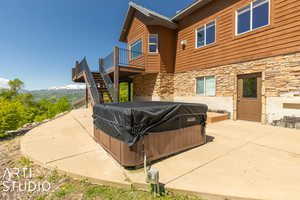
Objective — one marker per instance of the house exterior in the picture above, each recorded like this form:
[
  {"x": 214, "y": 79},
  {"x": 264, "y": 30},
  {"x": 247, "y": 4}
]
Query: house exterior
[{"x": 238, "y": 56}]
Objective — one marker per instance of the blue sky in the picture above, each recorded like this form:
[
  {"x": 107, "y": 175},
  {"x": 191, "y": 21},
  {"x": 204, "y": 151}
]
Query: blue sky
[{"x": 41, "y": 39}]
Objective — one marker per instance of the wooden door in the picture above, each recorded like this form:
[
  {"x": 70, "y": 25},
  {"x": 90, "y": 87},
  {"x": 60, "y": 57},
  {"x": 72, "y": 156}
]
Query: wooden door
[{"x": 249, "y": 97}]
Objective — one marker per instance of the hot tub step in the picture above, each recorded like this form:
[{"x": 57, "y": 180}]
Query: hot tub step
[{"x": 213, "y": 117}]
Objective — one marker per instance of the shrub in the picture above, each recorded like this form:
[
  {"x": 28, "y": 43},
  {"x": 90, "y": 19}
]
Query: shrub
[{"x": 19, "y": 109}]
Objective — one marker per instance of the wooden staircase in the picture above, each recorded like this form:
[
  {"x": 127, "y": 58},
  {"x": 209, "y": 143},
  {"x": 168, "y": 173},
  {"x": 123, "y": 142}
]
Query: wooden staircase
[
  {"x": 97, "y": 89},
  {"x": 101, "y": 87}
]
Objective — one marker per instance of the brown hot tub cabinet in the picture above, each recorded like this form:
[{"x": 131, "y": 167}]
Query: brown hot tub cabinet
[{"x": 164, "y": 129}]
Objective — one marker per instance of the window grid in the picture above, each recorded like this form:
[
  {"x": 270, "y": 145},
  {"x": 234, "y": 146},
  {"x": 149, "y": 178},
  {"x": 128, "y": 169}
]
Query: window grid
[
  {"x": 251, "y": 16},
  {"x": 153, "y": 43},
  {"x": 204, "y": 28}
]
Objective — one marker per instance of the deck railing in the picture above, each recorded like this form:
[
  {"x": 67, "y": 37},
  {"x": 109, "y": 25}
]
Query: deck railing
[
  {"x": 108, "y": 61},
  {"x": 125, "y": 58},
  {"x": 79, "y": 103}
]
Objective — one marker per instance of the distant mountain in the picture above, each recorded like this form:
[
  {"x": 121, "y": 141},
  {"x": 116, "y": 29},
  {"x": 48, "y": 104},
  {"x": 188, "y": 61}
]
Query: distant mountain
[
  {"x": 69, "y": 87},
  {"x": 71, "y": 94},
  {"x": 3, "y": 83}
]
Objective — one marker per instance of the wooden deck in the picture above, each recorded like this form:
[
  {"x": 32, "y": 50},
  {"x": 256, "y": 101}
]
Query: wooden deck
[{"x": 125, "y": 72}]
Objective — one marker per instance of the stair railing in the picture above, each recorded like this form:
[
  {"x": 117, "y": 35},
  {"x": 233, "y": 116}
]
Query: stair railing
[
  {"x": 104, "y": 65},
  {"x": 119, "y": 58},
  {"x": 83, "y": 67}
]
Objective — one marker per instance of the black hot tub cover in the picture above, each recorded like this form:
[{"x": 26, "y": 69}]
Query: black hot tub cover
[{"x": 130, "y": 121}]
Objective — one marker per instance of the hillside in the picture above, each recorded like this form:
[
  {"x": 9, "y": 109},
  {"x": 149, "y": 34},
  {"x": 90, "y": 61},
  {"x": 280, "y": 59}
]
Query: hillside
[{"x": 71, "y": 94}]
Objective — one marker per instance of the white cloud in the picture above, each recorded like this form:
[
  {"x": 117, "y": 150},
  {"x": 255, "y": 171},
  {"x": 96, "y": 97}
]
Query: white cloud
[
  {"x": 4, "y": 83},
  {"x": 69, "y": 87}
]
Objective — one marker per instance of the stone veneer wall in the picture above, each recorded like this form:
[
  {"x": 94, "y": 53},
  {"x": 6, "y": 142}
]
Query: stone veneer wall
[
  {"x": 153, "y": 87},
  {"x": 280, "y": 84}
]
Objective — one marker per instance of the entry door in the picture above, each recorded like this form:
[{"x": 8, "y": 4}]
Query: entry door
[{"x": 249, "y": 97}]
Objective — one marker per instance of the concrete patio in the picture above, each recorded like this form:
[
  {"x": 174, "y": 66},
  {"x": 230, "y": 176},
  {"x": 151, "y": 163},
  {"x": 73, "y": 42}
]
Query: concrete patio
[{"x": 243, "y": 160}]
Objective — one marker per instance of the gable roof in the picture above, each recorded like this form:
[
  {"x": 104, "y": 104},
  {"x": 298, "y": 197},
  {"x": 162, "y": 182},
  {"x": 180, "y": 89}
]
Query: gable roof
[
  {"x": 152, "y": 17},
  {"x": 189, "y": 9}
]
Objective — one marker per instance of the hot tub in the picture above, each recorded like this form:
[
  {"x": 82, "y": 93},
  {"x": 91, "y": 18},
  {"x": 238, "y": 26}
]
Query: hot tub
[{"x": 129, "y": 131}]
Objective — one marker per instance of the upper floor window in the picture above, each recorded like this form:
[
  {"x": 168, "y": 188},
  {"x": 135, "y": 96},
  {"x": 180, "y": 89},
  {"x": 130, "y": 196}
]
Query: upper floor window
[
  {"x": 136, "y": 49},
  {"x": 153, "y": 43},
  {"x": 206, "y": 86},
  {"x": 253, "y": 16},
  {"x": 206, "y": 34}
]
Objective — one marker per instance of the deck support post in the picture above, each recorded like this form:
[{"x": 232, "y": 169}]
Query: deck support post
[
  {"x": 86, "y": 96},
  {"x": 101, "y": 63},
  {"x": 116, "y": 74},
  {"x": 129, "y": 91}
]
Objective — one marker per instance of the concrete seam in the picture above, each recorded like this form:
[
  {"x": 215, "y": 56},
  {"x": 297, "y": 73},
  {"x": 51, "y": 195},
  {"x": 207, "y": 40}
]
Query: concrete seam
[
  {"x": 274, "y": 148},
  {"x": 71, "y": 156},
  {"x": 82, "y": 126}
]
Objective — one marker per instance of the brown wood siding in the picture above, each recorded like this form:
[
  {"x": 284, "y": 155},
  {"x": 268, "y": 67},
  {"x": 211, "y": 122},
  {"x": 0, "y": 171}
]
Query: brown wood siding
[
  {"x": 165, "y": 57},
  {"x": 167, "y": 49},
  {"x": 138, "y": 30},
  {"x": 153, "y": 63},
  {"x": 164, "y": 60},
  {"x": 137, "y": 62},
  {"x": 282, "y": 36}
]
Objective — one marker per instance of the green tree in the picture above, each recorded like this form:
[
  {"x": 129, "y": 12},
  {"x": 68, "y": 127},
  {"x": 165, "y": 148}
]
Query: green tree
[
  {"x": 17, "y": 109},
  {"x": 7, "y": 94},
  {"x": 63, "y": 105},
  {"x": 26, "y": 99},
  {"x": 10, "y": 117},
  {"x": 14, "y": 87},
  {"x": 16, "y": 84}
]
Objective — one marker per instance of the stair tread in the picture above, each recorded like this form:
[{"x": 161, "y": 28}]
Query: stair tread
[{"x": 101, "y": 86}]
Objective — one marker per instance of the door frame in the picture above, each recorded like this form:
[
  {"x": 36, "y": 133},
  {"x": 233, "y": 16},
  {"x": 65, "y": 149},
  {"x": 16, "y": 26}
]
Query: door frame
[{"x": 262, "y": 96}]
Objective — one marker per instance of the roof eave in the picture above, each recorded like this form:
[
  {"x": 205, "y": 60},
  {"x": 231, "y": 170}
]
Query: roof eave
[
  {"x": 159, "y": 21},
  {"x": 154, "y": 19},
  {"x": 188, "y": 10},
  {"x": 126, "y": 23}
]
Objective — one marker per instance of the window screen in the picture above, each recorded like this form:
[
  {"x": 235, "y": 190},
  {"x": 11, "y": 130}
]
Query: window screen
[
  {"x": 206, "y": 86},
  {"x": 200, "y": 85}
]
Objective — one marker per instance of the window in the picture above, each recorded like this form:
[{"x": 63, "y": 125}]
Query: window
[
  {"x": 250, "y": 87},
  {"x": 252, "y": 16},
  {"x": 206, "y": 86},
  {"x": 206, "y": 34},
  {"x": 153, "y": 43},
  {"x": 136, "y": 49}
]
